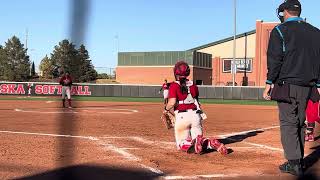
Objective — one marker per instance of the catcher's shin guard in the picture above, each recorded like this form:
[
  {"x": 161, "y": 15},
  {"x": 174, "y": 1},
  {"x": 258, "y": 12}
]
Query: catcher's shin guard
[
  {"x": 309, "y": 137},
  {"x": 198, "y": 142},
  {"x": 216, "y": 145}
]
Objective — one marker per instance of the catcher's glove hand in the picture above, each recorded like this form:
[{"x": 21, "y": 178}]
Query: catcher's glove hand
[{"x": 168, "y": 119}]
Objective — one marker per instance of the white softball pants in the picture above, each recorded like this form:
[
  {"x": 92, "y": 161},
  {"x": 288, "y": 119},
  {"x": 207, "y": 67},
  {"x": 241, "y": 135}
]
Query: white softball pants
[
  {"x": 188, "y": 126},
  {"x": 66, "y": 92}
]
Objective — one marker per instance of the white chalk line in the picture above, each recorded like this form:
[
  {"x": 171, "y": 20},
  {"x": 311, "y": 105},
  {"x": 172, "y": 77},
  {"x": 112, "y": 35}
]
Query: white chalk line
[
  {"x": 128, "y": 156},
  {"x": 122, "y": 152},
  {"x": 203, "y": 176},
  {"x": 47, "y": 112},
  {"x": 75, "y": 110},
  {"x": 25, "y": 97},
  {"x": 227, "y": 136},
  {"x": 264, "y": 146},
  {"x": 249, "y": 131},
  {"x": 51, "y": 135}
]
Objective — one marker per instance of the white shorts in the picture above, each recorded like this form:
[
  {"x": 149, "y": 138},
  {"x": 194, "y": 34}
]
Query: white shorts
[
  {"x": 66, "y": 91},
  {"x": 188, "y": 125},
  {"x": 165, "y": 93}
]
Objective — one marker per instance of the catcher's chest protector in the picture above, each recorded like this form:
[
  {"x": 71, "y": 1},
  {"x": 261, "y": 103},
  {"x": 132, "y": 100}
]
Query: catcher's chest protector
[{"x": 189, "y": 99}]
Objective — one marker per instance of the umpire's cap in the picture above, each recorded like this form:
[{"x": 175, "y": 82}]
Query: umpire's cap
[{"x": 291, "y": 5}]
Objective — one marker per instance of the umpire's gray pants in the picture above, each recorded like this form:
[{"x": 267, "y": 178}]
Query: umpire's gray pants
[{"x": 292, "y": 122}]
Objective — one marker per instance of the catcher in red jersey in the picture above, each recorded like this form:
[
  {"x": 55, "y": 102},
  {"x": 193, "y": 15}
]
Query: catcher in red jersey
[
  {"x": 184, "y": 100},
  {"x": 66, "y": 82}
]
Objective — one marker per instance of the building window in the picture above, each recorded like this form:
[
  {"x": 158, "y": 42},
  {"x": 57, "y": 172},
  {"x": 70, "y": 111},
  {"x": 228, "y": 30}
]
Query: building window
[{"x": 241, "y": 64}]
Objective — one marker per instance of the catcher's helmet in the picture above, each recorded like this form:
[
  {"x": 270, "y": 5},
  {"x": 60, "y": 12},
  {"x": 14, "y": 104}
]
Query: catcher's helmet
[{"x": 181, "y": 69}]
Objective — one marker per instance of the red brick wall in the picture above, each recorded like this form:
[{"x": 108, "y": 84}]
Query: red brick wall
[
  {"x": 220, "y": 78},
  {"x": 146, "y": 75},
  {"x": 156, "y": 75},
  {"x": 143, "y": 75},
  {"x": 262, "y": 38},
  {"x": 203, "y": 74}
]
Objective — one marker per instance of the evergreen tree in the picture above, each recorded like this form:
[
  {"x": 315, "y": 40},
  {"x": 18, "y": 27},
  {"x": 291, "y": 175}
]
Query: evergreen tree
[
  {"x": 66, "y": 57},
  {"x": 33, "y": 70},
  {"x": 17, "y": 64},
  {"x": 88, "y": 73},
  {"x": 3, "y": 59},
  {"x": 46, "y": 67}
]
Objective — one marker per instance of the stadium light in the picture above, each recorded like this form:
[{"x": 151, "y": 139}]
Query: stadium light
[{"x": 233, "y": 66}]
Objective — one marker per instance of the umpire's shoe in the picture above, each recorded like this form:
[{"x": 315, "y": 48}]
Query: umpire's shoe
[{"x": 293, "y": 167}]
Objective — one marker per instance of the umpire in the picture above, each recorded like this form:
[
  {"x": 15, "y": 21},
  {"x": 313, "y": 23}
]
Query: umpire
[{"x": 293, "y": 60}]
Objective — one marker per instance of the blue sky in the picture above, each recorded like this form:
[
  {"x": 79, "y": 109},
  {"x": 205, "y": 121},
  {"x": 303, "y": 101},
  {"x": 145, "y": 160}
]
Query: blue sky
[{"x": 140, "y": 25}]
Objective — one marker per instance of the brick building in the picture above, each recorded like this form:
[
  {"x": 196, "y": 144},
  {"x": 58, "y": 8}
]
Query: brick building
[
  {"x": 210, "y": 63},
  {"x": 154, "y": 67}
]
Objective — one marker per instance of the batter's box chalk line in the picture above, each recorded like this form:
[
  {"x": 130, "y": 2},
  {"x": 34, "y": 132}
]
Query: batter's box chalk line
[
  {"x": 128, "y": 156},
  {"x": 262, "y": 146}
]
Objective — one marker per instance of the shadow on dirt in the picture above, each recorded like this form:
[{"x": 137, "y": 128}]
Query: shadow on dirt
[
  {"x": 239, "y": 138},
  {"x": 312, "y": 158},
  {"x": 91, "y": 172}
]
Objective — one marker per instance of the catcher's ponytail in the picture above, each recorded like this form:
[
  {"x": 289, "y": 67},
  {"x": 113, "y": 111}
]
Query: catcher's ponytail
[{"x": 183, "y": 85}]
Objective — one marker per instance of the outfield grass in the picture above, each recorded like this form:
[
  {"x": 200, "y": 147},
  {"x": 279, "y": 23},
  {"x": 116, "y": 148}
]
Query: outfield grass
[{"x": 129, "y": 99}]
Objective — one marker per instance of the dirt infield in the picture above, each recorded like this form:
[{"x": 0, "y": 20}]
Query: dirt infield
[{"x": 109, "y": 139}]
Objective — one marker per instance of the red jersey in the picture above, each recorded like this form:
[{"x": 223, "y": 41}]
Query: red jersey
[
  {"x": 165, "y": 86},
  {"x": 66, "y": 81},
  {"x": 175, "y": 92}
]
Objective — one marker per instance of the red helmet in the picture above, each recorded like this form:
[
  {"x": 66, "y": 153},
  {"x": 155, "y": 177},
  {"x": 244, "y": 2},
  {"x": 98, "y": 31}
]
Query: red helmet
[{"x": 182, "y": 69}]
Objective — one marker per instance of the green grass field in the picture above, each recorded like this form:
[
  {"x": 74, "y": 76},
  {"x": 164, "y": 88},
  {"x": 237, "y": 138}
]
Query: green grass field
[{"x": 130, "y": 99}]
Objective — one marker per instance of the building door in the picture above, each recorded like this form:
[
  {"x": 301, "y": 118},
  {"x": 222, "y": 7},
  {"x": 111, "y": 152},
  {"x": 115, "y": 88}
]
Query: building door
[{"x": 199, "y": 82}]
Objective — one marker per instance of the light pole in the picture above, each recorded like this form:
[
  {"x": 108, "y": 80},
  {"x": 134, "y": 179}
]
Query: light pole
[
  {"x": 116, "y": 37},
  {"x": 234, "y": 70}
]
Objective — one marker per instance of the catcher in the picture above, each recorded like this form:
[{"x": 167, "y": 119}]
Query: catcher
[
  {"x": 312, "y": 114},
  {"x": 183, "y": 100},
  {"x": 66, "y": 82}
]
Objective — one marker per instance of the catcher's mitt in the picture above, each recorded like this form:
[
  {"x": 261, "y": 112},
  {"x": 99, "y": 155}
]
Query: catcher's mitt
[{"x": 168, "y": 119}]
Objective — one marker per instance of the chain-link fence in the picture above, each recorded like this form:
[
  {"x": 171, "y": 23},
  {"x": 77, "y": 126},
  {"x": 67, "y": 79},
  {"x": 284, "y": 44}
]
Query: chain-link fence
[{"x": 106, "y": 72}]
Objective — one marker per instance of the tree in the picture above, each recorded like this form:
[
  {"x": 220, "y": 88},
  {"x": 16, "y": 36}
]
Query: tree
[
  {"x": 46, "y": 67},
  {"x": 88, "y": 73},
  {"x": 3, "y": 59},
  {"x": 65, "y": 56},
  {"x": 16, "y": 64},
  {"x": 33, "y": 70}
]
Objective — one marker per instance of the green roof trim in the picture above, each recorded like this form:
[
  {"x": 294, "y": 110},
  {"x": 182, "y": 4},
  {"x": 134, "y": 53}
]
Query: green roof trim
[{"x": 222, "y": 41}]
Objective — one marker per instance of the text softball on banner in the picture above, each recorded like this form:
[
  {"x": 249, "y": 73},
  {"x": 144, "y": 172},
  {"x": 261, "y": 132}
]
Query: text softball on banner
[{"x": 40, "y": 89}]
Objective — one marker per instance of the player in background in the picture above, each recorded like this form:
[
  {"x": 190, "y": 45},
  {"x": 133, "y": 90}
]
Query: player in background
[
  {"x": 66, "y": 82},
  {"x": 165, "y": 88},
  {"x": 183, "y": 98},
  {"x": 30, "y": 85}
]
